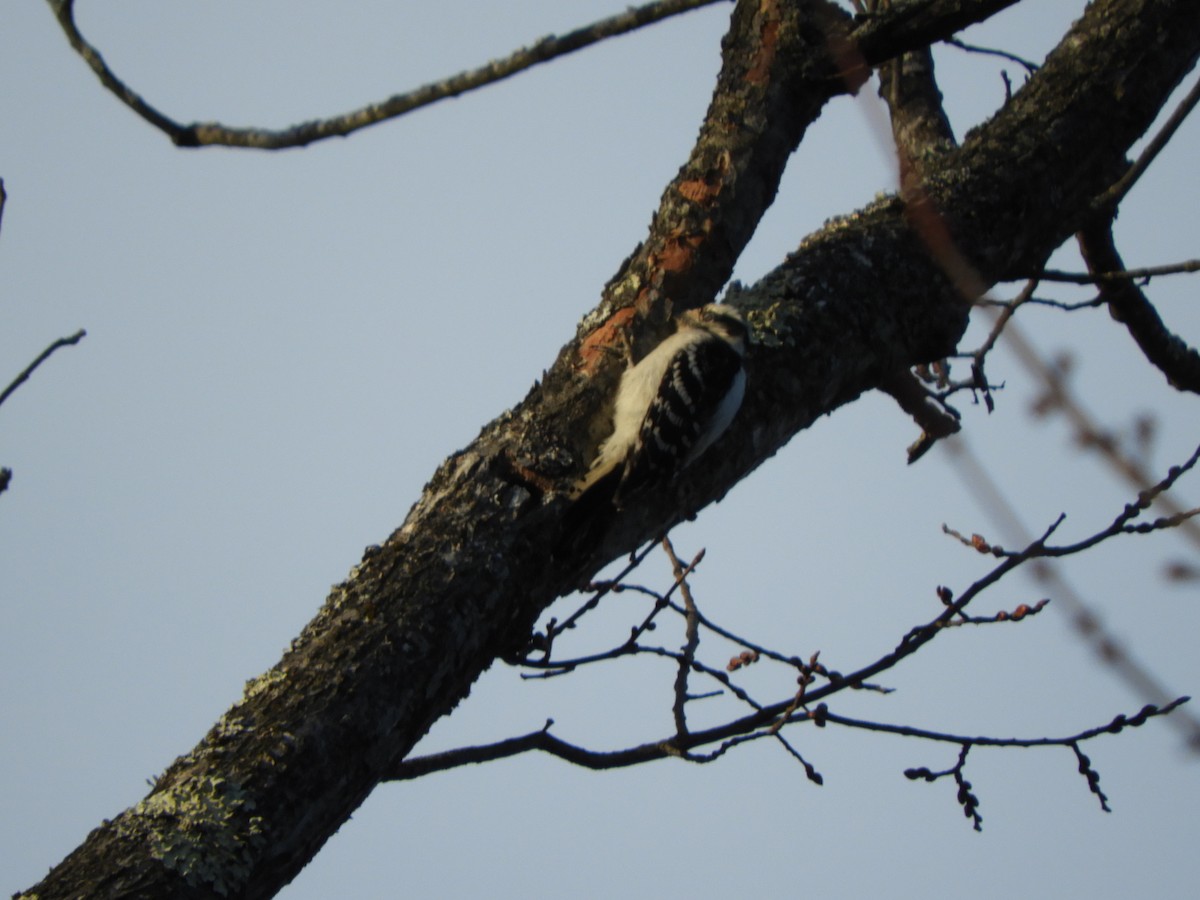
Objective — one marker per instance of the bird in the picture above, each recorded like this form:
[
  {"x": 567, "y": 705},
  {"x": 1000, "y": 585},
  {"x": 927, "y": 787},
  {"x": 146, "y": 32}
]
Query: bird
[{"x": 670, "y": 406}]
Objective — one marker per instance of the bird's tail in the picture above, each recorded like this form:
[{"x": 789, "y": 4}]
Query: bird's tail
[{"x": 589, "y": 515}]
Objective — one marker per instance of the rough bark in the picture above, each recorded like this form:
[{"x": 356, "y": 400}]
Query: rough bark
[{"x": 460, "y": 583}]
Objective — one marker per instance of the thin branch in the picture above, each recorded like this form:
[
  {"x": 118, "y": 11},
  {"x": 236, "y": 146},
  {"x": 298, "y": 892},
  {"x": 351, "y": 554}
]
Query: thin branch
[
  {"x": 798, "y": 702},
  {"x": 205, "y": 134},
  {"x": 543, "y": 741},
  {"x": 809, "y": 770},
  {"x": 966, "y": 798},
  {"x": 978, "y": 358},
  {"x": 629, "y": 645},
  {"x": 545, "y": 642},
  {"x": 1087, "y": 623},
  {"x": 766, "y": 720},
  {"x": 663, "y": 602},
  {"x": 1118, "y": 724},
  {"x": 691, "y": 635},
  {"x": 755, "y": 649},
  {"x": 1088, "y": 432},
  {"x": 923, "y": 634},
  {"x": 1030, "y": 67},
  {"x": 1111, "y": 198},
  {"x": 717, "y": 675},
  {"x": 1062, "y": 304},
  {"x": 1092, "y": 776},
  {"x": 1190, "y": 265},
  {"x": 565, "y": 667},
  {"x": 535, "y": 740},
  {"x": 1122, "y": 524},
  {"x": 42, "y": 357},
  {"x": 1159, "y": 524}
]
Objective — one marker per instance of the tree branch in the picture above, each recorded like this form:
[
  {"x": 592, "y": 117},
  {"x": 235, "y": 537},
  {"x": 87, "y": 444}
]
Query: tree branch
[
  {"x": 1029, "y": 67},
  {"x": 915, "y": 23},
  {"x": 767, "y": 719},
  {"x": 544, "y": 742},
  {"x": 203, "y": 134},
  {"x": 1112, "y": 198},
  {"x": 41, "y": 358},
  {"x": 1129, "y": 305},
  {"x": 1089, "y": 626},
  {"x": 1106, "y": 275},
  {"x": 461, "y": 582}
]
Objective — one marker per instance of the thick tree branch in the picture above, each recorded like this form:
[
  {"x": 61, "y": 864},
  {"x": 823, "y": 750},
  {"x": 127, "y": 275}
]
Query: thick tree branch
[
  {"x": 907, "y": 25},
  {"x": 784, "y": 61},
  {"x": 920, "y": 126},
  {"x": 399, "y": 643}
]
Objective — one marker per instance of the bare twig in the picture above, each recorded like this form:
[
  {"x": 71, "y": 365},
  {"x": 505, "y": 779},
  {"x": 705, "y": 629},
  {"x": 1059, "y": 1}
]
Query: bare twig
[
  {"x": 664, "y": 601},
  {"x": 42, "y": 357},
  {"x": 691, "y": 636},
  {"x": 966, "y": 796},
  {"x": 545, "y": 642},
  {"x": 6, "y": 473},
  {"x": 1188, "y": 265},
  {"x": 1001, "y": 322},
  {"x": 1088, "y": 432},
  {"x": 1118, "y": 724},
  {"x": 1087, "y": 623},
  {"x": 1063, "y": 305},
  {"x": 1092, "y": 776},
  {"x": 1122, "y": 524},
  {"x": 628, "y": 647},
  {"x": 1111, "y": 198},
  {"x": 1029, "y": 67}
]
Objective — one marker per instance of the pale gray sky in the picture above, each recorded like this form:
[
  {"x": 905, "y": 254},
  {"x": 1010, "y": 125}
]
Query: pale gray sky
[{"x": 282, "y": 347}]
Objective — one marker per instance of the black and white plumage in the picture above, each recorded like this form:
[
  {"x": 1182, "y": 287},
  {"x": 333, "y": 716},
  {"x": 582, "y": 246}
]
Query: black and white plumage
[{"x": 674, "y": 403}]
